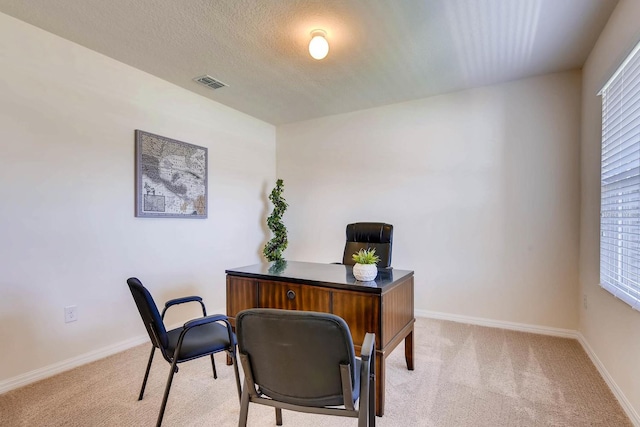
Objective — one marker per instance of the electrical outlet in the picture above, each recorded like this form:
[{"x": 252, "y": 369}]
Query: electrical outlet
[
  {"x": 71, "y": 313},
  {"x": 584, "y": 301}
]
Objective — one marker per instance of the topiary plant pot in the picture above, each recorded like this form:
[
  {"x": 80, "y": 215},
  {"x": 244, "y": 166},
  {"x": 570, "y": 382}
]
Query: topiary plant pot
[{"x": 365, "y": 272}]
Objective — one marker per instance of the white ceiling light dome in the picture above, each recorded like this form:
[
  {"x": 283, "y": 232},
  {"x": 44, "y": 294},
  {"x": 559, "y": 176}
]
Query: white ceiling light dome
[{"x": 318, "y": 46}]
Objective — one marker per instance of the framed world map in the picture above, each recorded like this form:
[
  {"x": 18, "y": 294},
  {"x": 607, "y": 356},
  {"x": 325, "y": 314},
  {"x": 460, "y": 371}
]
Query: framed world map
[{"x": 171, "y": 177}]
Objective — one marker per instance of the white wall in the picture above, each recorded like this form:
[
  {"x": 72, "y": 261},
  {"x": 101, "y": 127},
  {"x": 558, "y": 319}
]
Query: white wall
[
  {"x": 68, "y": 234},
  {"x": 482, "y": 187},
  {"x": 610, "y": 326}
]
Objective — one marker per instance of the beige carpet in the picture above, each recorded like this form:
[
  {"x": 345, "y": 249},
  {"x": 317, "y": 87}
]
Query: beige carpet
[{"x": 465, "y": 376}]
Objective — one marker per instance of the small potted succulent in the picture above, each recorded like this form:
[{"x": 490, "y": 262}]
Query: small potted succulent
[{"x": 365, "y": 269}]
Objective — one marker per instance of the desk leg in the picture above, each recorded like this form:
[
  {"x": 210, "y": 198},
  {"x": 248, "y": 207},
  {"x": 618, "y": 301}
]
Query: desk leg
[
  {"x": 408, "y": 350},
  {"x": 380, "y": 376},
  {"x": 381, "y": 370}
]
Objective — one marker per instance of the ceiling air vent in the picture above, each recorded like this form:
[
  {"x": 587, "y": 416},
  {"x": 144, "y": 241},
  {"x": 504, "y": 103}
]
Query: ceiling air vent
[{"x": 210, "y": 82}]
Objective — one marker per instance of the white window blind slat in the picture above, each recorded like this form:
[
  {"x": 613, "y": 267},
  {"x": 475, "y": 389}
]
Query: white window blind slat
[
  {"x": 628, "y": 142},
  {"x": 625, "y": 253},
  {"x": 627, "y": 186},
  {"x": 621, "y": 178},
  {"x": 622, "y": 190},
  {"x": 624, "y": 161},
  {"x": 617, "y": 92},
  {"x": 624, "y": 125},
  {"x": 614, "y": 78},
  {"x": 632, "y": 289},
  {"x": 629, "y": 163},
  {"x": 620, "y": 183},
  {"x": 607, "y": 233}
]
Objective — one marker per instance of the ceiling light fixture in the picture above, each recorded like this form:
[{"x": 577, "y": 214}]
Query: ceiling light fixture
[{"x": 318, "y": 46}]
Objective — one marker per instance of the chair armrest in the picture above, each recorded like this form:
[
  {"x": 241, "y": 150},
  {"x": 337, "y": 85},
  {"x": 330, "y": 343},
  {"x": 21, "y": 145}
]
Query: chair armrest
[
  {"x": 181, "y": 301},
  {"x": 367, "y": 346},
  {"x": 204, "y": 320}
]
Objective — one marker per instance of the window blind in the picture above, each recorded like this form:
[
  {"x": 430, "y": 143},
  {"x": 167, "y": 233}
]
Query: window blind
[{"x": 620, "y": 183}]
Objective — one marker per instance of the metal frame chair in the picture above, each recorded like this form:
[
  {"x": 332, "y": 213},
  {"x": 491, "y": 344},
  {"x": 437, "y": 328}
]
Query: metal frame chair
[
  {"x": 200, "y": 337},
  {"x": 304, "y": 361}
]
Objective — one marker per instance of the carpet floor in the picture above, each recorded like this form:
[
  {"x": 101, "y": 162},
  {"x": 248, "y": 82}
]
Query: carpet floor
[{"x": 464, "y": 375}]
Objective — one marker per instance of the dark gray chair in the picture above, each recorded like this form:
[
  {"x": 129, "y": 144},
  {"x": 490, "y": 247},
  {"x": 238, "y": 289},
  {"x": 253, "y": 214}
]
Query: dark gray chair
[
  {"x": 304, "y": 361},
  {"x": 365, "y": 235},
  {"x": 200, "y": 337}
]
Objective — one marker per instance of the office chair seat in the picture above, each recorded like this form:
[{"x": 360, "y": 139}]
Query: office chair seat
[
  {"x": 335, "y": 400},
  {"x": 209, "y": 338}
]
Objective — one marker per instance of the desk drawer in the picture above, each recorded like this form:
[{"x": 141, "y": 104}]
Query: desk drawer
[
  {"x": 291, "y": 296},
  {"x": 361, "y": 312}
]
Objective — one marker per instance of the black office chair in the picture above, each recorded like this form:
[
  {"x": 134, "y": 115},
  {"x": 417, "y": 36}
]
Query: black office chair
[
  {"x": 365, "y": 235},
  {"x": 199, "y": 337},
  {"x": 304, "y": 361}
]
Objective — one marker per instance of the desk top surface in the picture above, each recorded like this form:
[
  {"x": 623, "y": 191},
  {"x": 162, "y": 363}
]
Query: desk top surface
[{"x": 332, "y": 275}]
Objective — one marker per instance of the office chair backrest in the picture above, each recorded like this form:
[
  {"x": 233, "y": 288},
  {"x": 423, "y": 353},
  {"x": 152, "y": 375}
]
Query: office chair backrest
[
  {"x": 295, "y": 356},
  {"x": 149, "y": 313},
  {"x": 364, "y": 235}
]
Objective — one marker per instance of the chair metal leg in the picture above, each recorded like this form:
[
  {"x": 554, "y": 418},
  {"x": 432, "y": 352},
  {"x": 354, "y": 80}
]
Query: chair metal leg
[
  {"x": 244, "y": 406},
  {"x": 213, "y": 365},
  {"x": 146, "y": 374},
  {"x": 166, "y": 392},
  {"x": 278, "y": 416},
  {"x": 365, "y": 412},
  {"x": 363, "y": 408},
  {"x": 234, "y": 360}
]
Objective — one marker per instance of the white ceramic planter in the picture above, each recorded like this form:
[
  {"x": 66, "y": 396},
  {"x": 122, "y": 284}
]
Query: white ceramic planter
[{"x": 365, "y": 272}]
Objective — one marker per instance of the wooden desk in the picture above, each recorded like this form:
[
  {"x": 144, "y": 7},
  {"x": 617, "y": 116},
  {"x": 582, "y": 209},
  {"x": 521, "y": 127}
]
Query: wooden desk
[{"x": 384, "y": 307}]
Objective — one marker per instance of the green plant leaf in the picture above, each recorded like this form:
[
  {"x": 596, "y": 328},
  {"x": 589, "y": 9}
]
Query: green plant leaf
[{"x": 366, "y": 256}]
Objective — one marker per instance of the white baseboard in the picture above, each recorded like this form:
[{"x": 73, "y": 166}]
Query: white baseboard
[
  {"x": 65, "y": 365},
  {"x": 543, "y": 330},
  {"x": 522, "y": 327},
  {"x": 624, "y": 402},
  {"x": 74, "y": 362}
]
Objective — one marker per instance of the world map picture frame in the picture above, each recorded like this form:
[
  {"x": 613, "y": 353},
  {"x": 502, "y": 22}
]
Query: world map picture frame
[{"x": 171, "y": 177}]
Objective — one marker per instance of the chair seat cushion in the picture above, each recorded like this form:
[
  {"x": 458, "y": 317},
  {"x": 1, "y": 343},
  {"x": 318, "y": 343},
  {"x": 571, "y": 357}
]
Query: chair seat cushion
[
  {"x": 205, "y": 339},
  {"x": 318, "y": 401}
]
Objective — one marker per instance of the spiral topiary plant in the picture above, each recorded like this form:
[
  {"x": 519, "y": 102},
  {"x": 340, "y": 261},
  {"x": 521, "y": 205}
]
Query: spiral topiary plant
[{"x": 274, "y": 247}]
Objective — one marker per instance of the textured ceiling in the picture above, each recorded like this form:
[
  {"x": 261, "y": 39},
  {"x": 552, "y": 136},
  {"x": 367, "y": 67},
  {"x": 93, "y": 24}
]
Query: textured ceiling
[{"x": 381, "y": 51}]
